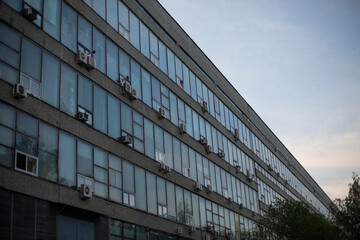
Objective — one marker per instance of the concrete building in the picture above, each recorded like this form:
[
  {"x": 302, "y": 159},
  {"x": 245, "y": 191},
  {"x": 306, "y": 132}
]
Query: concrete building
[{"x": 115, "y": 125}]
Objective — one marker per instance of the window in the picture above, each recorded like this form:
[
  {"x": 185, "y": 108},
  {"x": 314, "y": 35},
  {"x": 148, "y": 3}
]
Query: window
[
  {"x": 37, "y": 6},
  {"x": 99, "y": 48},
  {"x": 138, "y": 125},
  {"x": 154, "y": 49},
  {"x": 72, "y": 228},
  {"x": 84, "y": 158},
  {"x": 114, "y": 117},
  {"x": 26, "y": 163},
  {"x": 85, "y": 98},
  {"x": 67, "y": 160},
  {"x": 7, "y": 134},
  {"x": 100, "y": 173},
  {"x": 68, "y": 95},
  {"x": 112, "y": 13},
  {"x": 124, "y": 26},
  {"x": 50, "y": 80},
  {"x": 151, "y": 193},
  {"x": 69, "y": 27},
  {"x": 100, "y": 109},
  {"x": 112, "y": 59},
  {"x": 140, "y": 186},
  {"x": 129, "y": 184},
  {"x": 144, "y": 38},
  {"x": 161, "y": 196},
  {"x": 115, "y": 178},
  {"x": 134, "y": 31},
  {"x": 51, "y": 23}
]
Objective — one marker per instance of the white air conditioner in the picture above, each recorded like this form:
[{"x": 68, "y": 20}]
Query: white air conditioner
[
  {"x": 221, "y": 154},
  {"x": 230, "y": 200},
  {"x": 198, "y": 187},
  {"x": 208, "y": 149},
  {"x": 182, "y": 128},
  {"x": 83, "y": 117},
  {"x": 125, "y": 139},
  {"x": 81, "y": 57},
  {"x": 162, "y": 113},
  {"x": 189, "y": 220},
  {"x": 204, "y": 106},
  {"x": 207, "y": 237},
  {"x": 85, "y": 191},
  {"x": 91, "y": 62},
  {"x": 162, "y": 166},
  {"x": 133, "y": 95},
  {"x": 19, "y": 91},
  {"x": 192, "y": 229},
  {"x": 159, "y": 156},
  {"x": 210, "y": 228},
  {"x": 269, "y": 167},
  {"x": 203, "y": 141},
  {"x": 127, "y": 88},
  {"x": 123, "y": 79},
  {"x": 236, "y": 134},
  {"x": 209, "y": 188},
  {"x": 167, "y": 169},
  {"x": 179, "y": 230},
  {"x": 29, "y": 13},
  {"x": 248, "y": 176}
]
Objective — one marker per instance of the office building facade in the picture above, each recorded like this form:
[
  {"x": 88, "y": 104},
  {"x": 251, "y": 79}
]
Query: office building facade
[{"x": 115, "y": 125}]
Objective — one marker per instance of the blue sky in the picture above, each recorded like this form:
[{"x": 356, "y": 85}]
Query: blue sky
[{"x": 297, "y": 63}]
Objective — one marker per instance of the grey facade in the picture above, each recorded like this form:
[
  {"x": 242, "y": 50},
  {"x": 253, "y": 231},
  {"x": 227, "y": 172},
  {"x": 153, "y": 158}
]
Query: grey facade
[{"x": 188, "y": 158}]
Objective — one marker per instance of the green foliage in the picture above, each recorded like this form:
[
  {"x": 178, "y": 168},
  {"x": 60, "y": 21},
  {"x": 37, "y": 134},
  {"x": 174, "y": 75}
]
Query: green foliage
[
  {"x": 294, "y": 220},
  {"x": 346, "y": 213}
]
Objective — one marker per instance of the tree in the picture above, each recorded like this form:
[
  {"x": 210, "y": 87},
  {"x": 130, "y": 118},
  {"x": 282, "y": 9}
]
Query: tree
[
  {"x": 293, "y": 220},
  {"x": 346, "y": 212}
]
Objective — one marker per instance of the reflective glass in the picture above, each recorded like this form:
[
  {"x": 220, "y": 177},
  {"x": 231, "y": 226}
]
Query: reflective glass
[
  {"x": 6, "y": 156},
  {"x": 140, "y": 197},
  {"x": 124, "y": 15},
  {"x": 7, "y": 115},
  {"x": 163, "y": 58},
  {"x": 100, "y": 189},
  {"x": 144, "y": 37},
  {"x": 52, "y": 18},
  {"x": 9, "y": 74},
  {"x": 27, "y": 124},
  {"x": 112, "y": 59},
  {"x": 146, "y": 87},
  {"x": 9, "y": 56},
  {"x": 135, "y": 78},
  {"x": 85, "y": 93},
  {"x": 128, "y": 177},
  {"x": 149, "y": 138},
  {"x": 68, "y": 98},
  {"x": 134, "y": 31},
  {"x": 84, "y": 158},
  {"x": 100, "y": 107},
  {"x": 67, "y": 159},
  {"x": 31, "y": 59},
  {"x": 7, "y": 136},
  {"x": 114, "y": 117},
  {"x": 48, "y": 152},
  {"x": 124, "y": 63},
  {"x": 84, "y": 33},
  {"x": 50, "y": 80},
  {"x": 151, "y": 193},
  {"x": 69, "y": 27},
  {"x": 126, "y": 119},
  {"x": 26, "y": 144},
  {"x": 99, "y": 48},
  {"x": 99, "y": 7},
  {"x": 171, "y": 64},
  {"x": 15, "y": 4},
  {"x": 112, "y": 10}
]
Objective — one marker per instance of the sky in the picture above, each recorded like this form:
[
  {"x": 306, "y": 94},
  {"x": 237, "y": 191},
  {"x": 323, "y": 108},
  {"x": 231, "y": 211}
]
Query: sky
[{"x": 297, "y": 63}]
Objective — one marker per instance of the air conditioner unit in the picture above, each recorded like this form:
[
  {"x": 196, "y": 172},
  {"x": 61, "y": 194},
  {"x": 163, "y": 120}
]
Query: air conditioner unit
[
  {"x": 179, "y": 230},
  {"x": 238, "y": 168},
  {"x": 278, "y": 174},
  {"x": 161, "y": 113},
  {"x": 189, "y": 220},
  {"x": 253, "y": 213},
  {"x": 29, "y": 13},
  {"x": 207, "y": 237},
  {"x": 229, "y": 235},
  {"x": 230, "y": 200},
  {"x": 162, "y": 166},
  {"x": 123, "y": 79},
  {"x": 269, "y": 167},
  {"x": 203, "y": 141},
  {"x": 182, "y": 128},
  {"x": 208, "y": 149},
  {"x": 83, "y": 117},
  {"x": 19, "y": 91},
  {"x": 91, "y": 62},
  {"x": 198, "y": 187},
  {"x": 209, "y": 188},
  {"x": 133, "y": 95},
  {"x": 85, "y": 191},
  {"x": 216, "y": 234},
  {"x": 210, "y": 228},
  {"x": 81, "y": 57},
  {"x": 241, "y": 206},
  {"x": 192, "y": 229},
  {"x": 167, "y": 169},
  {"x": 221, "y": 154},
  {"x": 127, "y": 88},
  {"x": 125, "y": 139},
  {"x": 204, "y": 106},
  {"x": 236, "y": 134},
  {"x": 248, "y": 176}
]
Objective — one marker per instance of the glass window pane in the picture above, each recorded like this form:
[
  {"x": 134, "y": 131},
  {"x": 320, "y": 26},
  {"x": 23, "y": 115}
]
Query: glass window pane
[
  {"x": 27, "y": 124},
  {"x": 26, "y": 144},
  {"x": 163, "y": 58},
  {"x": 9, "y": 56},
  {"x": 100, "y": 189},
  {"x": 85, "y": 230},
  {"x": 85, "y": 158},
  {"x": 112, "y": 60},
  {"x": 99, "y": 48},
  {"x": 68, "y": 98},
  {"x": 85, "y": 93},
  {"x": 135, "y": 78},
  {"x": 146, "y": 87},
  {"x": 48, "y": 152},
  {"x": 8, "y": 74},
  {"x": 15, "y": 4},
  {"x": 161, "y": 193},
  {"x": 85, "y": 33},
  {"x": 6, "y": 156},
  {"x": 100, "y": 174},
  {"x": 151, "y": 193},
  {"x": 66, "y": 228},
  {"x": 128, "y": 177},
  {"x": 177, "y": 155},
  {"x": 171, "y": 64},
  {"x": 168, "y": 150},
  {"x": 31, "y": 59},
  {"x": 111, "y": 10},
  {"x": 170, "y": 191},
  {"x": 126, "y": 119},
  {"x": 67, "y": 160},
  {"x": 124, "y": 16},
  {"x": 7, "y": 115},
  {"x": 144, "y": 36},
  {"x": 124, "y": 63},
  {"x": 180, "y": 205},
  {"x": 173, "y": 109},
  {"x": 69, "y": 27},
  {"x": 114, "y": 117},
  {"x": 7, "y": 136},
  {"x": 100, "y": 158},
  {"x": 52, "y": 18},
  {"x": 140, "y": 196},
  {"x": 100, "y": 107},
  {"x": 37, "y": 5},
  {"x": 99, "y": 7},
  {"x": 134, "y": 31},
  {"x": 50, "y": 80},
  {"x": 149, "y": 138}
]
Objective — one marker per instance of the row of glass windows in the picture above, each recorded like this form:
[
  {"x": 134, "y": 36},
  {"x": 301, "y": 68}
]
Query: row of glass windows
[
  {"x": 112, "y": 117},
  {"x": 151, "y": 47},
  {"x": 46, "y": 152},
  {"x": 82, "y": 35}
]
